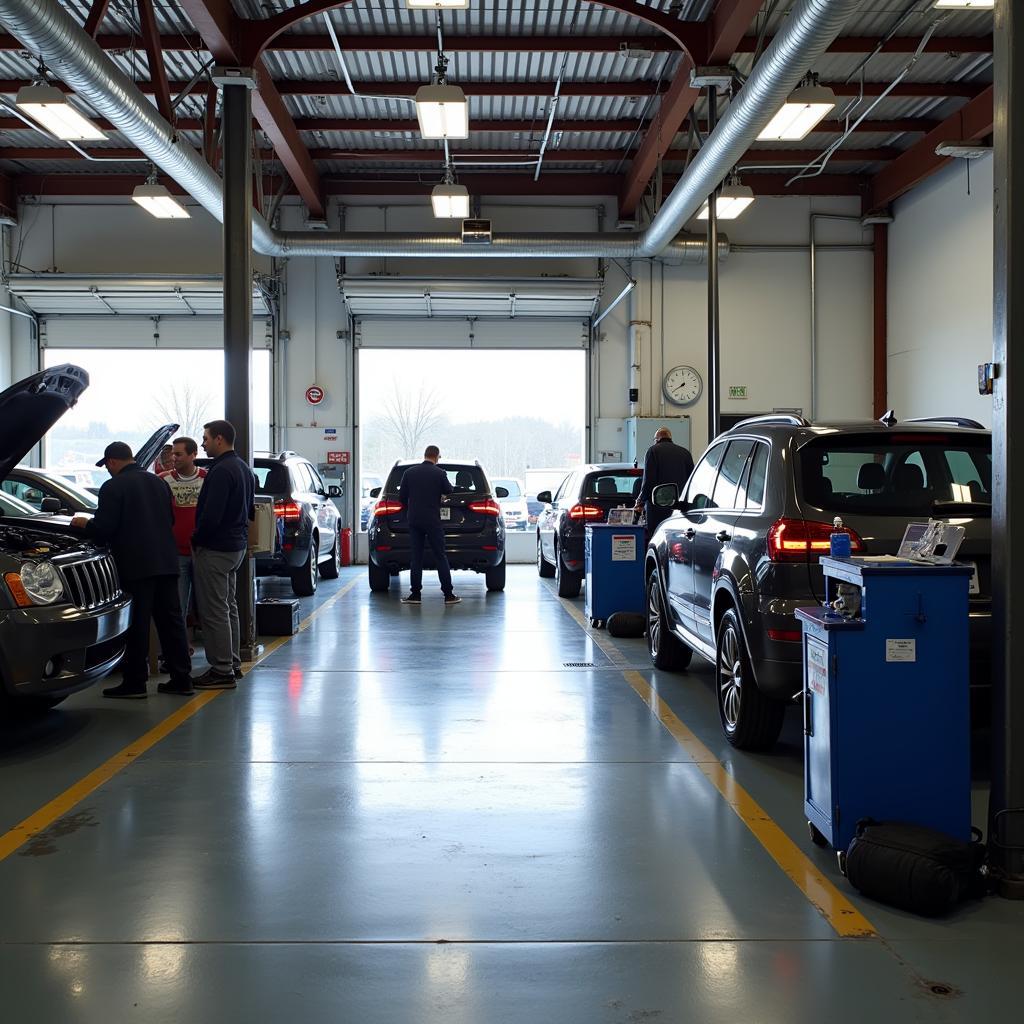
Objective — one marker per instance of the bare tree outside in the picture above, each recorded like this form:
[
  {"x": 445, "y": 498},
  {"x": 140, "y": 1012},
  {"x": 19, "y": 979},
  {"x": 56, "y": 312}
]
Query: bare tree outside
[
  {"x": 410, "y": 416},
  {"x": 185, "y": 403}
]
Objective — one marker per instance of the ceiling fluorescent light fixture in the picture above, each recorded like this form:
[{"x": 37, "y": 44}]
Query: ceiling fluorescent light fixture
[
  {"x": 800, "y": 114},
  {"x": 960, "y": 150},
  {"x": 437, "y": 5},
  {"x": 47, "y": 105},
  {"x": 732, "y": 201},
  {"x": 450, "y": 201},
  {"x": 442, "y": 112},
  {"x": 965, "y": 5},
  {"x": 155, "y": 199}
]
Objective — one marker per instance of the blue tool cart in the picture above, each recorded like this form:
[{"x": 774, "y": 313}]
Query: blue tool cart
[
  {"x": 886, "y": 698},
  {"x": 614, "y": 565}
]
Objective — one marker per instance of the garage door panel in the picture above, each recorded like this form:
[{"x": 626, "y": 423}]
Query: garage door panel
[{"x": 439, "y": 333}]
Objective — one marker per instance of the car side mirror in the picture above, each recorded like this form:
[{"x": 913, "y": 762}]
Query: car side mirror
[
  {"x": 501, "y": 492},
  {"x": 544, "y": 497},
  {"x": 665, "y": 495},
  {"x": 333, "y": 491},
  {"x": 374, "y": 492},
  {"x": 50, "y": 506}
]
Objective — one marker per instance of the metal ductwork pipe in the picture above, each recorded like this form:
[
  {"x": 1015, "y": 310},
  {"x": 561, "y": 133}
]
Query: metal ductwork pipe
[{"x": 45, "y": 28}]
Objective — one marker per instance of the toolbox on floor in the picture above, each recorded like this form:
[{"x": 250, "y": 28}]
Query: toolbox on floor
[{"x": 277, "y": 618}]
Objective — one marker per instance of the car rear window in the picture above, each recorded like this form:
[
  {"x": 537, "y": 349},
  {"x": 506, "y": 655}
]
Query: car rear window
[
  {"x": 464, "y": 479},
  {"x": 897, "y": 474},
  {"x": 272, "y": 479},
  {"x": 514, "y": 490},
  {"x": 612, "y": 484}
]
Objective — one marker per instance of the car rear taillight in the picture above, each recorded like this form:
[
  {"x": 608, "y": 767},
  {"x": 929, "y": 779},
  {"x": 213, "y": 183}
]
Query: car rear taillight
[
  {"x": 387, "y": 508},
  {"x": 287, "y": 510},
  {"x": 487, "y": 507},
  {"x": 790, "y": 636},
  {"x": 803, "y": 540},
  {"x": 586, "y": 512}
]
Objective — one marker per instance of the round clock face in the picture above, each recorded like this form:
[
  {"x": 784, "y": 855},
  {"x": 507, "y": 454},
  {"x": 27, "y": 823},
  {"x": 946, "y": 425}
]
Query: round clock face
[{"x": 682, "y": 385}]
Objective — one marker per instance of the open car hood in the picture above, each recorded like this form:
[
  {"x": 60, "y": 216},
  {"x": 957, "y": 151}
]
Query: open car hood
[
  {"x": 146, "y": 455},
  {"x": 29, "y": 408}
]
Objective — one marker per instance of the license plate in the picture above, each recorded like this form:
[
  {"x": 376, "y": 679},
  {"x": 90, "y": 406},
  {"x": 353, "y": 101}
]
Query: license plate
[
  {"x": 446, "y": 514},
  {"x": 975, "y": 587}
]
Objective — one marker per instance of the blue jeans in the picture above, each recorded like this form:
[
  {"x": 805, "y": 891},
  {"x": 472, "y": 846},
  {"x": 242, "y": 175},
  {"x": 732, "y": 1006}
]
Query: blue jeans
[
  {"x": 419, "y": 536},
  {"x": 184, "y": 583}
]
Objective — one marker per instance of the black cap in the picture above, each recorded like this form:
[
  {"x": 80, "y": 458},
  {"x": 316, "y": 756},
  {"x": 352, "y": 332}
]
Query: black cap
[{"x": 115, "y": 450}]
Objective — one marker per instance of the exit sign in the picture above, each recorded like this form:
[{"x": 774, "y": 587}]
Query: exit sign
[{"x": 738, "y": 391}]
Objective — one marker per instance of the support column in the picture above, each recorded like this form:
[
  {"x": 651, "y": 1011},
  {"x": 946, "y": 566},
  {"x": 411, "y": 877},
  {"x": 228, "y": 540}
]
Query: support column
[
  {"x": 1006, "y": 807},
  {"x": 236, "y": 120},
  {"x": 714, "y": 326},
  {"x": 880, "y": 378}
]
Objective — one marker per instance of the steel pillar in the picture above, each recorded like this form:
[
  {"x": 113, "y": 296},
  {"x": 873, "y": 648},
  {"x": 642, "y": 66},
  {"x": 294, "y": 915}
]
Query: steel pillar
[
  {"x": 1006, "y": 807},
  {"x": 714, "y": 321}
]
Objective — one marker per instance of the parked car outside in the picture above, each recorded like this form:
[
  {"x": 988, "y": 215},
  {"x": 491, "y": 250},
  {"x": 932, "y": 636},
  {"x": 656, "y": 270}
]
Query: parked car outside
[
  {"x": 513, "y": 507},
  {"x": 368, "y": 483},
  {"x": 474, "y": 531},
  {"x": 726, "y": 572},
  {"x": 63, "y": 615},
  {"x": 584, "y": 496}
]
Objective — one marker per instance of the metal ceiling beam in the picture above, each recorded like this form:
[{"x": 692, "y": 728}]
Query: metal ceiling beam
[
  {"x": 971, "y": 123},
  {"x": 222, "y": 32},
  {"x": 729, "y": 23},
  {"x": 155, "y": 59},
  {"x": 97, "y": 13}
]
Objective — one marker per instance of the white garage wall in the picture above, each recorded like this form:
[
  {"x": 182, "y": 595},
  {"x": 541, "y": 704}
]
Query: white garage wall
[{"x": 941, "y": 294}]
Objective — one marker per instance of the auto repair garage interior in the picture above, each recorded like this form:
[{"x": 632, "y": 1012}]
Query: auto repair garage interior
[{"x": 788, "y": 219}]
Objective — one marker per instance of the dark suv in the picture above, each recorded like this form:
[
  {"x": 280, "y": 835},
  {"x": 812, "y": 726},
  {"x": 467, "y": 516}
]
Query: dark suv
[
  {"x": 727, "y": 571},
  {"x": 584, "y": 496},
  {"x": 474, "y": 531},
  {"x": 308, "y": 523}
]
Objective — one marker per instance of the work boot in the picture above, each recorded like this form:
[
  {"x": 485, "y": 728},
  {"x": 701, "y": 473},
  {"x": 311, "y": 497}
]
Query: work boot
[
  {"x": 178, "y": 689},
  {"x": 412, "y": 599},
  {"x": 214, "y": 680},
  {"x": 452, "y": 599},
  {"x": 126, "y": 691}
]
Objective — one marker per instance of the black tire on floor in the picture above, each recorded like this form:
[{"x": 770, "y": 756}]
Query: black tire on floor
[
  {"x": 304, "y": 579},
  {"x": 569, "y": 582},
  {"x": 496, "y": 577},
  {"x": 545, "y": 570},
  {"x": 750, "y": 720},
  {"x": 626, "y": 624},
  {"x": 331, "y": 569},
  {"x": 380, "y": 578},
  {"x": 667, "y": 651}
]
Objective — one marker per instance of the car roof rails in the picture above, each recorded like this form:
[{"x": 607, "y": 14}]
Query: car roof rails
[
  {"x": 287, "y": 455},
  {"x": 790, "y": 418},
  {"x": 955, "y": 421}
]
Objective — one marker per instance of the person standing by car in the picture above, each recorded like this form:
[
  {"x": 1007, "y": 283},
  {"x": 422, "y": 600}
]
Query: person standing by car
[
  {"x": 421, "y": 491},
  {"x": 135, "y": 517},
  {"x": 185, "y": 481},
  {"x": 164, "y": 462},
  {"x": 665, "y": 463},
  {"x": 224, "y": 510}
]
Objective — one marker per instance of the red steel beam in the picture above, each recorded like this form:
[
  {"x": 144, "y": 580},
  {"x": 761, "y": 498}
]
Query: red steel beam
[
  {"x": 155, "y": 59},
  {"x": 972, "y": 122},
  {"x": 729, "y": 23},
  {"x": 210, "y": 127},
  {"x": 97, "y": 13},
  {"x": 8, "y": 198}
]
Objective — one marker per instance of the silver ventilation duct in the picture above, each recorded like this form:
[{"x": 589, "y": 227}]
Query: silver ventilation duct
[{"x": 45, "y": 28}]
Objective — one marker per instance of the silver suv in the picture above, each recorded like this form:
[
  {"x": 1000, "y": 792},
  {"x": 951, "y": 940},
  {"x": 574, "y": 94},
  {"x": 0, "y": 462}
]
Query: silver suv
[{"x": 726, "y": 572}]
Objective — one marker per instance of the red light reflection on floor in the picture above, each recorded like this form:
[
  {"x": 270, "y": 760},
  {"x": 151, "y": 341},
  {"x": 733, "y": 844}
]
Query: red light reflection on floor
[{"x": 295, "y": 682}]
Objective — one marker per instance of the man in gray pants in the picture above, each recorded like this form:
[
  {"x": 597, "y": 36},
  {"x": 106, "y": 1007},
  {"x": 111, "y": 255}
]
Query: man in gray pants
[{"x": 226, "y": 507}]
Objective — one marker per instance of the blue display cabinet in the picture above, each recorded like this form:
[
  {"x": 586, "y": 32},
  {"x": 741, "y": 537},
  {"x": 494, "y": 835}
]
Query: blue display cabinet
[
  {"x": 886, "y": 699},
  {"x": 614, "y": 566}
]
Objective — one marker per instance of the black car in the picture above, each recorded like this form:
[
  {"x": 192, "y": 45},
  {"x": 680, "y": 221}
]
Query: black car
[
  {"x": 727, "y": 571},
  {"x": 474, "y": 531},
  {"x": 63, "y": 614},
  {"x": 584, "y": 496},
  {"x": 308, "y": 542}
]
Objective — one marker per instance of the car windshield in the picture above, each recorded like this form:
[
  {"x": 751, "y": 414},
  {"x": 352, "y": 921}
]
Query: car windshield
[
  {"x": 87, "y": 498},
  {"x": 512, "y": 486},
  {"x": 618, "y": 484},
  {"x": 898, "y": 474},
  {"x": 11, "y": 506}
]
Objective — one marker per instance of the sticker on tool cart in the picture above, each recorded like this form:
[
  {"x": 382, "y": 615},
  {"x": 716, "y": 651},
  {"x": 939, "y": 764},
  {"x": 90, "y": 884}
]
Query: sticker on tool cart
[
  {"x": 817, "y": 669},
  {"x": 623, "y": 547},
  {"x": 901, "y": 650}
]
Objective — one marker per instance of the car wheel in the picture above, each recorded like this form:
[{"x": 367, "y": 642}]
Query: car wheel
[
  {"x": 569, "y": 582},
  {"x": 380, "y": 578},
  {"x": 750, "y": 720},
  {"x": 496, "y": 577},
  {"x": 304, "y": 578},
  {"x": 667, "y": 651},
  {"x": 331, "y": 569},
  {"x": 545, "y": 570}
]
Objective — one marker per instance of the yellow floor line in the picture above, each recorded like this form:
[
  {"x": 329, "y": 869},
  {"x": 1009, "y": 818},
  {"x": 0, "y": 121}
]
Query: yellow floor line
[
  {"x": 60, "y": 805},
  {"x": 841, "y": 914}
]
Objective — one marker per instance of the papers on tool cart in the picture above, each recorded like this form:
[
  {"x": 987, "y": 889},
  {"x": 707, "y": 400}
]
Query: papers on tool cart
[
  {"x": 879, "y": 558},
  {"x": 620, "y": 516}
]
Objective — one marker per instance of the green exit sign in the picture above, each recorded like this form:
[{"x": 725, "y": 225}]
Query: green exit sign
[{"x": 738, "y": 391}]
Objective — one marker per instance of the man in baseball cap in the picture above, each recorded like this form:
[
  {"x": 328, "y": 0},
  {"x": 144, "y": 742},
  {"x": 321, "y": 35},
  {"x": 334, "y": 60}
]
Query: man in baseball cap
[{"x": 116, "y": 451}]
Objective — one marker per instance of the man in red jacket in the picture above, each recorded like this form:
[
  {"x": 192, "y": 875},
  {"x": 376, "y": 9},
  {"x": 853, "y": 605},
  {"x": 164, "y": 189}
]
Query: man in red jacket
[{"x": 185, "y": 481}]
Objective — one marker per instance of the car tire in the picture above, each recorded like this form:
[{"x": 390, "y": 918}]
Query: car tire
[
  {"x": 750, "y": 720},
  {"x": 569, "y": 582},
  {"x": 667, "y": 651},
  {"x": 545, "y": 570},
  {"x": 496, "y": 577},
  {"x": 304, "y": 579},
  {"x": 331, "y": 569},
  {"x": 380, "y": 578}
]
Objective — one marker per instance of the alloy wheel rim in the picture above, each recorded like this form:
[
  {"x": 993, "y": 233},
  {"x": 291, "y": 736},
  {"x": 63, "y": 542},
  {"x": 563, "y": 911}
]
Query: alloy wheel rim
[
  {"x": 653, "y": 618},
  {"x": 730, "y": 676}
]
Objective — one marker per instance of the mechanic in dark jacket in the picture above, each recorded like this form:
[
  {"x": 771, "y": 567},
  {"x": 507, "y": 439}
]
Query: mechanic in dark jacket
[
  {"x": 666, "y": 463},
  {"x": 225, "y": 509},
  {"x": 421, "y": 491},
  {"x": 136, "y": 518}
]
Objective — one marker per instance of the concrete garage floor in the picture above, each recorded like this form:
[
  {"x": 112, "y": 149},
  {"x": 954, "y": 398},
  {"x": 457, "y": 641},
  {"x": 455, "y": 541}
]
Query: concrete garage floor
[{"x": 426, "y": 814}]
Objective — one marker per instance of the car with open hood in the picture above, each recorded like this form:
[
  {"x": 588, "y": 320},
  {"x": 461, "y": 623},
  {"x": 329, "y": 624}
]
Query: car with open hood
[{"x": 63, "y": 614}]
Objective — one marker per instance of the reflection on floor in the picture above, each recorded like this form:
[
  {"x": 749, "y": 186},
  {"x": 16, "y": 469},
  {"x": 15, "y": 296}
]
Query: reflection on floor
[{"x": 442, "y": 814}]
